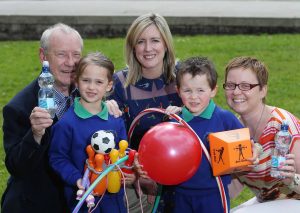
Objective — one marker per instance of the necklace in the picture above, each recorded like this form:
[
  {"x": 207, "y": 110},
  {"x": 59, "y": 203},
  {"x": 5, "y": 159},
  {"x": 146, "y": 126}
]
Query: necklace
[{"x": 258, "y": 123}]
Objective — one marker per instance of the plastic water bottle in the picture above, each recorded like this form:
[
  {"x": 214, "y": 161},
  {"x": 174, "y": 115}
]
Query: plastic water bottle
[
  {"x": 282, "y": 143},
  {"x": 46, "y": 94}
]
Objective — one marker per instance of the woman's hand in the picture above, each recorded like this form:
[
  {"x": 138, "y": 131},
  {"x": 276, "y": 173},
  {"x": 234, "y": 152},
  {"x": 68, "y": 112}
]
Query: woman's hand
[
  {"x": 288, "y": 169},
  {"x": 113, "y": 108},
  {"x": 257, "y": 150}
]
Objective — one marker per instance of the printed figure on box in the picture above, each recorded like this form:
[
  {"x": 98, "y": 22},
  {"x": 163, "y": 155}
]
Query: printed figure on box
[
  {"x": 240, "y": 149},
  {"x": 83, "y": 137},
  {"x": 220, "y": 153}
]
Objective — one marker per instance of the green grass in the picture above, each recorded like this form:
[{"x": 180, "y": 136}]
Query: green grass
[{"x": 19, "y": 65}]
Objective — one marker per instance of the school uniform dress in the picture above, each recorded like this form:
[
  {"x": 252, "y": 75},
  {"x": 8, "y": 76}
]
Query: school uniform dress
[
  {"x": 69, "y": 139},
  {"x": 201, "y": 193}
]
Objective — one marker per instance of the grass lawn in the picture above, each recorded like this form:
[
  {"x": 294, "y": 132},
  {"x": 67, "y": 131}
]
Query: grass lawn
[{"x": 19, "y": 65}]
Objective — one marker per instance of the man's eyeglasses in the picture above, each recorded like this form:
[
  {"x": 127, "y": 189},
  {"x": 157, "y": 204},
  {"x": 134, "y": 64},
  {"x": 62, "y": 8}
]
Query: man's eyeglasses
[
  {"x": 67, "y": 55},
  {"x": 241, "y": 86}
]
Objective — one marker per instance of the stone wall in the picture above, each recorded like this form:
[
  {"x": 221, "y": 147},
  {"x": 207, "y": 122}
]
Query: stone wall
[{"x": 31, "y": 27}]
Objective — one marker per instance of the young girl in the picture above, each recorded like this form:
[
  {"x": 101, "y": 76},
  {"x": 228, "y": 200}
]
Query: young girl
[{"x": 72, "y": 133}]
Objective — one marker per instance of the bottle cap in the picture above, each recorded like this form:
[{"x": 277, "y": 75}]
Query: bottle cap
[
  {"x": 285, "y": 125},
  {"x": 45, "y": 63}
]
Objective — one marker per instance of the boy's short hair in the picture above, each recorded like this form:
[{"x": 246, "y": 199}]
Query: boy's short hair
[{"x": 198, "y": 66}]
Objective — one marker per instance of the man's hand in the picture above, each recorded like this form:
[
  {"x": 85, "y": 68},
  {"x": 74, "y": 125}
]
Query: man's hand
[{"x": 40, "y": 119}]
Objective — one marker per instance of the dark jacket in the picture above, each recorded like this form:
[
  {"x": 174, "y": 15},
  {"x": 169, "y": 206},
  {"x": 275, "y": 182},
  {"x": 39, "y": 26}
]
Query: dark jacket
[{"x": 33, "y": 186}]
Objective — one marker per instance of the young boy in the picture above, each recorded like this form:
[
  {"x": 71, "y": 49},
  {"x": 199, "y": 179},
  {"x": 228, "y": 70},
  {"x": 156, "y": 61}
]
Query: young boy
[
  {"x": 72, "y": 133},
  {"x": 197, "y": 86}
]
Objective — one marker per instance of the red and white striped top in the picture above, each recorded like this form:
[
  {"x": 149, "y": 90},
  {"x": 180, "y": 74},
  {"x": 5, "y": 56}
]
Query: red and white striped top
[{"x": 259, "y": 180}]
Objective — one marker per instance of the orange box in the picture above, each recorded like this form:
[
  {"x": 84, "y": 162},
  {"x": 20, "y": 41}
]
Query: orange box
[{"x": 229, "y": 150}]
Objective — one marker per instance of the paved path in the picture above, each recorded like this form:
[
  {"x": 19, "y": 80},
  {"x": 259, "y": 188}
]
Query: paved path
[
  {"x": 184, "y": 8},
  {"x": 27, "y": 19}
]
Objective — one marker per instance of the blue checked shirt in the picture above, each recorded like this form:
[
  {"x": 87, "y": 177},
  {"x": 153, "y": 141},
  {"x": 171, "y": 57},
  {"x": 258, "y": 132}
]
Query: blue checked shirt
[{"x": 63, "y": 102}]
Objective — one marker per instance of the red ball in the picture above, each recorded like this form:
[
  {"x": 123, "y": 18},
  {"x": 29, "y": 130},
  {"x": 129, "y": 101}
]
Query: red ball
[{"x": 170, "y": 153}]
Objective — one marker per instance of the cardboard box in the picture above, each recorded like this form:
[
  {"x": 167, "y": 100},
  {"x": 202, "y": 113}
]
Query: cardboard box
[{"x": 229, "y": 150}]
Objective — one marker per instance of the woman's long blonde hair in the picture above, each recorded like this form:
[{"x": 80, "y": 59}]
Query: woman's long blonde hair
[{"x": 133, "y": 34}]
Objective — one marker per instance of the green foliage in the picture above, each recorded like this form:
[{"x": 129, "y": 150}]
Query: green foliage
[
  {"x": 245, "y": 195},
  {"x": 20, "y": 64}
]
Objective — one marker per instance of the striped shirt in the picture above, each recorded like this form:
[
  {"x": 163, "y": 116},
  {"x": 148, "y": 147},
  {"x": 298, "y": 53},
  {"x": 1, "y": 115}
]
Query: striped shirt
[{"x": 259, "y": 180}]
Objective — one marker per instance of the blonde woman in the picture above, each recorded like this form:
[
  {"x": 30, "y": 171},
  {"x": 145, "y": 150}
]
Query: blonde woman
[{"x": 149, "y": 78}]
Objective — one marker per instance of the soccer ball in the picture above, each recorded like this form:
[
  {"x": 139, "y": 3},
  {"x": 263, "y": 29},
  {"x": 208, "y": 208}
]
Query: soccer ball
[{"x": 103, "y": 141}]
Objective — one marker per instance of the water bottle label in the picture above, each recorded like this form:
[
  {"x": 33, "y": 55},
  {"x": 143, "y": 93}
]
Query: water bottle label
[
  {"x": 50, "y": 103},
  {"x": 43, "y": 103},
  {"x": 46, "y": 103},
  {"x": 274, "y": 162}
]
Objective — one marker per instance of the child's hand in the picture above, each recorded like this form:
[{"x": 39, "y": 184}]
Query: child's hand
[
  {"x": 79, "y": 184},
  {"x": 129, "y": 178},
  {"x": 139, "y": 168}
]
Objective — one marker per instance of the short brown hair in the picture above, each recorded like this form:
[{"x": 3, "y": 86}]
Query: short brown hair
[
  {"x": 247, "y": 62},
  {"x": 198, "y": 66}
]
